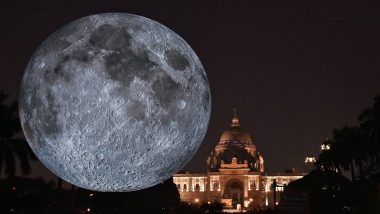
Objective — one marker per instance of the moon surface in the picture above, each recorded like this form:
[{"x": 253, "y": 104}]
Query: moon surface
[{"x": 114, "y": 102}]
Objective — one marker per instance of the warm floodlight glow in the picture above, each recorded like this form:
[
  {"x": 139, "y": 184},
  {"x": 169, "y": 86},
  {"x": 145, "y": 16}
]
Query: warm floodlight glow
[
  {"x": 325, "y": 147},
  {"x": 310, "y": 159}
]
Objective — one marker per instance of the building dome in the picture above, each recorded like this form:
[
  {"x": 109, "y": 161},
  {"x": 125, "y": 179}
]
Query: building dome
[
  {"x": 235, "y": 143},
  {"x": 235, "y": 134}
]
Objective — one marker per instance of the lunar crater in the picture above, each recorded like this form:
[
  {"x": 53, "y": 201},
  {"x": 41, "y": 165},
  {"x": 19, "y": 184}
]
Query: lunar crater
[{"x": 114, "y": 102}]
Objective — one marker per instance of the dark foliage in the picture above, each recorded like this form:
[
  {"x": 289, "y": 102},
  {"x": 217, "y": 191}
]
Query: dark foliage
[
  {"x": 10, "y": 145},
  {"x": 357, "y": 149},
  {"x": 328, "y": 191},
  {"x": 162, "y": 198},
  {"x": 23, "y": 195}
]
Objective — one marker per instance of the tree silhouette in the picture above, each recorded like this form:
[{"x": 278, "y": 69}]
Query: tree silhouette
[
  {"x": 10, "y": 145},
  {"x": 358, "y": 149},
  {"x": 329, "y": 158},
  {"x": 351, "y": 148},
  {"x": 370, "y": 131}
]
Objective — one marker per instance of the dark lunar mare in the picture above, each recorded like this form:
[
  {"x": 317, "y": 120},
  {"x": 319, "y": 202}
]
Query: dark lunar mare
[{"x": 114, "y": 102}]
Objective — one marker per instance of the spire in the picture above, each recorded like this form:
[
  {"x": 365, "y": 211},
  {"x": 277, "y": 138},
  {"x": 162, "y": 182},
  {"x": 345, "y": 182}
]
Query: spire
[{"x": 235, "y": 120}]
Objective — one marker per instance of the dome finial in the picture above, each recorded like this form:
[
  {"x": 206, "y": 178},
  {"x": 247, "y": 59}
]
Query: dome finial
[{"x": 235, "y": 120}]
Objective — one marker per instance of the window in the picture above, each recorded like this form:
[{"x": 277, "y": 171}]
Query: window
[
  {"x": 197, "y": 186},
  {"x": 184, "y": 186},
  {"x": 216, "y": 185}
]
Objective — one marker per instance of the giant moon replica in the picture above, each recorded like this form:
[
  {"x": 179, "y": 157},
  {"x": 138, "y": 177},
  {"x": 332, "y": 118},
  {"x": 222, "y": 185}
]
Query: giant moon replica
[{"x": 114, "y": 102}]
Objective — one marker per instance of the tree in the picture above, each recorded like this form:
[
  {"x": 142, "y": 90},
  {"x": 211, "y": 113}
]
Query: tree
[
  {"x": 328, "y": 158},
  {"x": 351, "y": 149},
  {"x": 369, "y": 129},
  {"x": 358, "y": 148},
  {"x": 10, "y": 145}
]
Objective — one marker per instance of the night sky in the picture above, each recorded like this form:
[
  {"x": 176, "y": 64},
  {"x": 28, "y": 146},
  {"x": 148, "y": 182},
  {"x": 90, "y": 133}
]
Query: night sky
[{"x": 294, "y": 71}]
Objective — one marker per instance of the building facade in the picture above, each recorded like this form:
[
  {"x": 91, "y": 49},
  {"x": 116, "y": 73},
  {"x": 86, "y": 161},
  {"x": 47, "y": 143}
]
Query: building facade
[{"x": 235, "y": 175}]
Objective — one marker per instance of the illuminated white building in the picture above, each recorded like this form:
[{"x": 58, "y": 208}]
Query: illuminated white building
[{"x": 235, "y": 174}]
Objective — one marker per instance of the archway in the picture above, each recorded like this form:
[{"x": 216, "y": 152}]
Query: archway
[{"x": 234, "y": 190}]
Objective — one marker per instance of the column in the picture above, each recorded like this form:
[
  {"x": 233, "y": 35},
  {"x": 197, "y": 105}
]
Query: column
[{"x": 245, "y": 186}]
